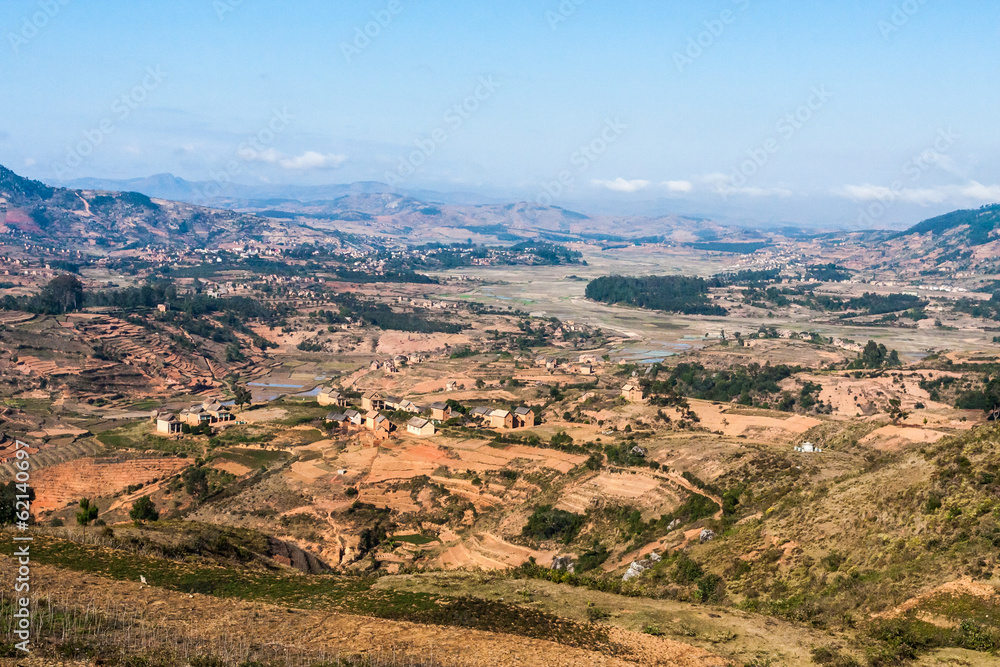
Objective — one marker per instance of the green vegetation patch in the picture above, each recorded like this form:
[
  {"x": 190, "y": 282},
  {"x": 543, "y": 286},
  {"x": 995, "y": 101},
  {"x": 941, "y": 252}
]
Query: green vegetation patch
[
  {"x": 547, "y": 523},
  {"x": 252, "y": 458},
  {"x": 418, "y": 540},
  {"x": 674, "y": 294},
  {"x": 139, "y": 436}
]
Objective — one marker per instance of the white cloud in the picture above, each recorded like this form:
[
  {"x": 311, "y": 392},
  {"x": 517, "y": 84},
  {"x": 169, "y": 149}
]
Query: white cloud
[
  {"x": 986, "y": 194},
  {"x": 678, "y": 186},
  {"x": 621, "y": 185},
  {"x": 313, "y": 160},
  {"x": 268, "y": 155},
  {"x": 29, "y": 162},
  {"x": 972, "y": 192},
  {"x": 307, "y": 161}
]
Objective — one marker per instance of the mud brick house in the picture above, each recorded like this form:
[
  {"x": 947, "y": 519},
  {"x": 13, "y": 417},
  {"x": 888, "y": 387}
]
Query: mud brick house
[
  {"x": 480, "y": 412},
  {"x": 329, "y": 396},
  {"x": 440, "y": 411},
  {"x": 524, "y": 417},
  {"x": 406, "y": 405},
  {"x": 8, "y": 448},
  {"x": 168, "y": 424},
  {"x": 372, "y": 400},
  {"x": 338, "y": 418},
  {"x": 355, "y": 417},
  {"x": 420, "y": 427},
  {"x": 380, "y": 426},
  {"x": 632, "y": 393},
  {"x": 211, "y": 412},
  {"x": 501, "y": 419},
  {"x": 401, "y": 404}
]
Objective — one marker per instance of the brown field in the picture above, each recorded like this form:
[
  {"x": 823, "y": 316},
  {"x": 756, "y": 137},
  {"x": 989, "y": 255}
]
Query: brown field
[{"x": 64, "y": 484}]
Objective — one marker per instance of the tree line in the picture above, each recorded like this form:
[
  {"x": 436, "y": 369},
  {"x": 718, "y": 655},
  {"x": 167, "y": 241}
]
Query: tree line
[
  {"x": 750, "y": 385},
  {"x": 675, "y": 294}
]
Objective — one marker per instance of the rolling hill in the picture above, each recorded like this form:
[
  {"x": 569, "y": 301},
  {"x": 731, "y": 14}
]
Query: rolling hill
[
  {"x": 973, "y": 227},
  {"x": 964, "y": 241},
  {"x": 96, "y": 220},
  {"x": 157, "y": 211}
]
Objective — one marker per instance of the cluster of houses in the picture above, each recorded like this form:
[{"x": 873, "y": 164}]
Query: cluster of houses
[
  {"x": 208, "y": 412},
  {"x": 370, "y": 417},
  {"x": 586, "y": 365},
  {"x": 346, "y": 418},
  {"x": 381, "y": 427},
  {"x": 504, "y": 419}
]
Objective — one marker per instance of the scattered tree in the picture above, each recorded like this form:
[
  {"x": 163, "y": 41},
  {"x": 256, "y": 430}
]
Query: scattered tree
[
  {"x": 242, "y": 396},
  {"x": 143, "y": 510},
  {"x": 88, "y": 512},
  {"x": 195, "y": 481}
]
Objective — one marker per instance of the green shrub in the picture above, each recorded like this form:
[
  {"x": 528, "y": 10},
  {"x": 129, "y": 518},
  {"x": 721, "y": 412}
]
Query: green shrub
[
  {"x": 711, "y": 588},
  {"x": 687, "y": 571},
  {"x": 546, "y": 523},
  {"x": 595, "y": 613},
  {"x": 592, "y": 558},
  {"x": 933, "y": 503}
]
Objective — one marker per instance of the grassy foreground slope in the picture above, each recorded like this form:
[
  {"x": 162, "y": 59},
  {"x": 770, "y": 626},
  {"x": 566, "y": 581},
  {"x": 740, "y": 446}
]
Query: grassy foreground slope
[
  {"x": 904, "y": 551},
  {"x": 91, "y": 606}
]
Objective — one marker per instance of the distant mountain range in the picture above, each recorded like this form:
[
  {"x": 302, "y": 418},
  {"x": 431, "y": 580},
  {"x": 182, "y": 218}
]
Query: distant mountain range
[
  {"x": 102, "y": 221},
  {"x": 106, "y": 214},
  {"x": 211, "y": 193},
  {"x": 167, "y": 210}
]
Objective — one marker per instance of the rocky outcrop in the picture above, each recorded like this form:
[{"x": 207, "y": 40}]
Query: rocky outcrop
[
  {"x": 293, "y": 556},
  {"x": 563, "y": 563}
]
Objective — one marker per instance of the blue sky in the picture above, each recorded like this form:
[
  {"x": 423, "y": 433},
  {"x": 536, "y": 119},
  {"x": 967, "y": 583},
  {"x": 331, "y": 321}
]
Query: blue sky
[{"x": 847, "y": 112}]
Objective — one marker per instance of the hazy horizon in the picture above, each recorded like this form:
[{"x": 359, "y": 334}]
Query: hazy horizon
[{"x": 854, "y": 115}]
